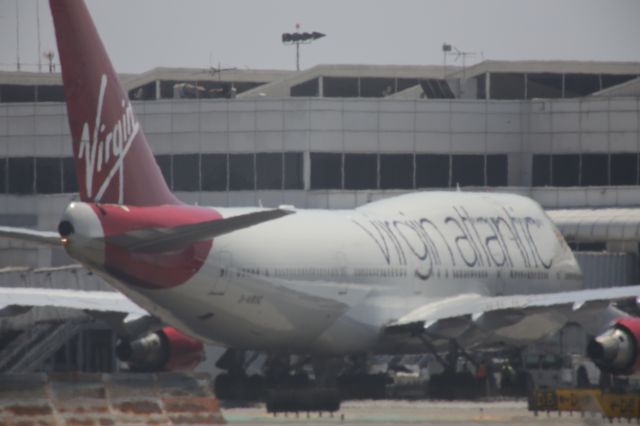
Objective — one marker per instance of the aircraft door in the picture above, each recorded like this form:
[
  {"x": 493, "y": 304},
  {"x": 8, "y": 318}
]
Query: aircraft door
[{"x": 223, "y": 262}]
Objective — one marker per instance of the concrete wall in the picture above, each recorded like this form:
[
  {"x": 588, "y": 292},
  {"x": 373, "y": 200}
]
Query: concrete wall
[{"x": 518, "y": 128}]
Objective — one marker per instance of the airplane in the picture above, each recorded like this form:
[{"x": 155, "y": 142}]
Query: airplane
[{"x": 421, "y": 272}]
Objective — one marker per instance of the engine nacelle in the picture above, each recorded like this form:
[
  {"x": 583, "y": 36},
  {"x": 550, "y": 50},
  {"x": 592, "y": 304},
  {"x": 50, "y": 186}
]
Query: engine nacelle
[
  {"x": 616, "y": 351},
  {"x": 164, "y": 350}
]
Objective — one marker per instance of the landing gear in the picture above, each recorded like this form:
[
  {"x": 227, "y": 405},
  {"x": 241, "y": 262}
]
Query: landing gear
[
  {"x": 239, "y": 387},
  {"x": 291, "y": 388},
  {"x": 297, "y": 384},
  {"x": 235, "y": 384},
  {"x": 356, "y": 383},
  {"x": 285, "y": 385},
  {"x": 462, "y": 378}
]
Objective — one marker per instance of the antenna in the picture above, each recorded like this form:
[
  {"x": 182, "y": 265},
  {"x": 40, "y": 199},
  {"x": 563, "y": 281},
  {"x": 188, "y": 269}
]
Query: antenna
[
  {"x": 18, "y": 34},
  {"x": 448, "y": 49},
  {"x": 38, "y": 33},
  {"x": 50, "y": 55},
  {"x": 218, "y": 70}
]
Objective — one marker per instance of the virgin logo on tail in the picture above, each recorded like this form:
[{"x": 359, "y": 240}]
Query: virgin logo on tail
[{"x": 106, "y": 148}]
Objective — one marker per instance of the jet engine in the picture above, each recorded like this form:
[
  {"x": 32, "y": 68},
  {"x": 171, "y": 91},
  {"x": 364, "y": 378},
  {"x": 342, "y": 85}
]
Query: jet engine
[
  {"x": 617, "y": 350},
  {"x": 163, "y": 350}
]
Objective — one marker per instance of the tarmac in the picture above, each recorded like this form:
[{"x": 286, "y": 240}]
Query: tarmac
[
  {"x": 175, "y": 398},
  {"x": 400, "y": 412}
]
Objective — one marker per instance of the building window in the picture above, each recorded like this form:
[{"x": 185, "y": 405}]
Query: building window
[
  {"x": 565, "y": 170},
  {"x": 340, "y": 87},
  {"x": 609, "y": 80},
  {"x": 307, "y": 88},
  {"x": 434, "y": 88},
  {"x": 371, "y": 87},
  {"x": 577, "y": 85},
  {"x": 21, "y": 175},
  {"x": 166, "y": 89},
  {"x": 481, "y": 86},
  {"x": 396, "y": 171},
  {"x": 293, "y": 170},
  {"x": 69, "y": 180},
  {"x": 48, "y": 175},
  {"x": 164, "y": 162},
  {"x": 269, "y": 171},
  {"x": 360, "y": 171},
  {"x": 507, "y": 86},
  {"x": 213, "y": 172},
  {"x": 17, "y": 93},
  {"x": 595, "y": 170},
  {"x": 405, "y": 83},
  {"x": 241, "y": 172},
  {"x": 432, "y": 171},
  {"x": 143, "y": 93},
  {"x": 3, "y": 175},
  {"x": 467, "y": 170},
  {"x": 326, "y": 171},
  {"x": 497, "y": 170},
  {"x": 50, "y": 93},
  {"x": 624, "y": 169},
  {"x": 541, "y": 170},
  {"x": 186, "y": 172},
  {"x": 544, "y": 85}
]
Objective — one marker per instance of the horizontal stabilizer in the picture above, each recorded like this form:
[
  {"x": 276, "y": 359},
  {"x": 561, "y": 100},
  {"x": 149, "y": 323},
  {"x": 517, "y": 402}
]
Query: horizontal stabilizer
[
  {"x": 154, "y": 240},
  {"x": 49, "y": 238}
]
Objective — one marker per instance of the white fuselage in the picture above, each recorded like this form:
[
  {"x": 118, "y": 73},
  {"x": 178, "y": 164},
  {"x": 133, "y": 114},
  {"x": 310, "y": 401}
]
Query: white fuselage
[{"x": 321, "y": 281}]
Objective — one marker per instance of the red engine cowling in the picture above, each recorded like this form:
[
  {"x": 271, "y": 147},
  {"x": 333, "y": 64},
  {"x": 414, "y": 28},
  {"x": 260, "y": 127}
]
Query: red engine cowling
[
  {"x": 617, "y": 350},
  {"x": 164, "y": 350}
]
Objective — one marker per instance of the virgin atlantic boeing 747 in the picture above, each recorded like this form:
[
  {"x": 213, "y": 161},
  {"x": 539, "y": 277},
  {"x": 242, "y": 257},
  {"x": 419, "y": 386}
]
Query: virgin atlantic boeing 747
[{"x": 423, "y": 272}]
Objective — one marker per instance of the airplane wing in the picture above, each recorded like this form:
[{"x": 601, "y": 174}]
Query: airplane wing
[
  {"x": 456, "y": 313},
  {"x": 150, "y": 240},
  {"x": 99, "y": 301},
  {"x": 49, "y": 238}
]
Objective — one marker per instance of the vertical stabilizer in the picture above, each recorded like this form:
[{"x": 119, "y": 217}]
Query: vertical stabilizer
[{"x": 113, "y": 161}]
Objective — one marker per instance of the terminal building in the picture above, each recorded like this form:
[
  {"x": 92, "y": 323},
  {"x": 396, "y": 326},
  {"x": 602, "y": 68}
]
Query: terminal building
[{"x": 564, "y": 133}]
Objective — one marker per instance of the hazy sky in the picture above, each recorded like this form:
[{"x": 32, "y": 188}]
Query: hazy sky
[{"x": 142, "y": 34}]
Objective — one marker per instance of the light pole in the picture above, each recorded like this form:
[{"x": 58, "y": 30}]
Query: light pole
[{"x": 299, "y": 38}]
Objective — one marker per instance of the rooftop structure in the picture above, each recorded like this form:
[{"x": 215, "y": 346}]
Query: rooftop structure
[{"x": 485, "y": 80}]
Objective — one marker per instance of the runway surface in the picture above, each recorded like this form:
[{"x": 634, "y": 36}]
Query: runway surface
[{"x": 390, "y": 412}]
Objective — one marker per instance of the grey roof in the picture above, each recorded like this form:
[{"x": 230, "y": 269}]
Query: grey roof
[
  {"x": 201, "y": 74},
  {"x": 136, "y": 80},
  {"x": 279, "y": 82},
  {"x": 281, "y": 88},
  {"x": 572, "y": 67}
]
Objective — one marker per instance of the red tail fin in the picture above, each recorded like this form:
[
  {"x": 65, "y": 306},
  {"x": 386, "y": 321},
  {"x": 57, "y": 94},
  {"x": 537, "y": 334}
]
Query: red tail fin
[{"x": 113, "y": 161}]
